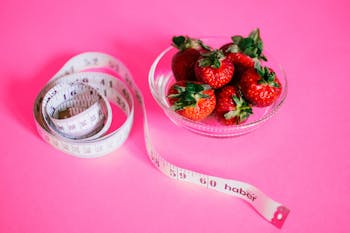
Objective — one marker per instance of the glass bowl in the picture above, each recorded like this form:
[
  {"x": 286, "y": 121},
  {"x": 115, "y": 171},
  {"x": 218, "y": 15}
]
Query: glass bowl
[{"x": 161, "y": 78}]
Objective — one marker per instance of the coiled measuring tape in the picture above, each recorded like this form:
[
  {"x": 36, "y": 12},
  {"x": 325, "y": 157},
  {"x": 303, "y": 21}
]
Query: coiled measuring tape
[{"x": 73, "y": 114}]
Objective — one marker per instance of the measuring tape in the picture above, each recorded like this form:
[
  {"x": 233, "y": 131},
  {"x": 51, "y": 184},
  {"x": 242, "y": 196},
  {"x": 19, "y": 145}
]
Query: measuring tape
[{"x": 73, "y": 114}]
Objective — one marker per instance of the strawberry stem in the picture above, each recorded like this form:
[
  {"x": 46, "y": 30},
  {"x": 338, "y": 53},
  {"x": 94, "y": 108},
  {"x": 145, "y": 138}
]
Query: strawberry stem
[
  {"x": 212, "y": 59},
  {"x": 188, "y": 95},
  {"x": 185, "y": 42},
  {"x": 267, "y": 75},
  {"x": 242, "y": 110},
  {"x": 251, "y": 45}
]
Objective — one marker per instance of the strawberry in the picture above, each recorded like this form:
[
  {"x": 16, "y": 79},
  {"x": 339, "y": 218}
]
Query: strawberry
[
  {"x": 244, "y": 51},
  {"x": 231, "y": 107},
  {"x": 214, "y": 68},
  {"x": 260, "y": 86},
  {"x": 192, "y": 100},
  {"x": 183, "y": 61}
]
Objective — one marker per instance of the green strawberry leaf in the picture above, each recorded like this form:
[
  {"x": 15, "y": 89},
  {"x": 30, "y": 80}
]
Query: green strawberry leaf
[
  {"x": 236, "y": 39},
  {"x": 174, "y": 95},
  {"x": 204, "y": 62},
  {"x": 233, "y": 49},
  {"x": 251, "y": 45},
  {"x": 189, "y": 100},
  {"x": 212, "y": 59},
  {"x": 185, "y": 42},
  {"x": 194, "y": 87},
  {"x": 246, "y": 43},
  {"x": 231, "y": 114},
  {"x": 216, "y": 63},
  {"x": 188, "y": 95},
  {"x": 255, "y": 35},
  {"x": 242, "y": 110},
  {"x": 179, "y": 41},
  {"x": 262, "y": 57},
  {"x": 204, "y": 46},
  {"x": 267, "y": 76}
]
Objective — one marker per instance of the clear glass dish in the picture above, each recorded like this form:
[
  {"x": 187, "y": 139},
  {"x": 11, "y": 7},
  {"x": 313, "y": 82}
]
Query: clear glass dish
[{"x": 161, "y": 78}]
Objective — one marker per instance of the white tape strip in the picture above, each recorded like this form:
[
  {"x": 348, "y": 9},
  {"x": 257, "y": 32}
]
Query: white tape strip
[{"x": 72, "y": 113}]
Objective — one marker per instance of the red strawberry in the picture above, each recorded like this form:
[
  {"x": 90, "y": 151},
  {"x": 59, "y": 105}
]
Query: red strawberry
[
  {"x": 183, "y": 61},
  {"x": 214, "y": 68},
  {"x": 231, "y": 108},
  {"x": 192, "y": 100},
  {"x": 244, "y": 51},
  {"x": 260, "y": 86},
  {"x": 241, "y": 60}
]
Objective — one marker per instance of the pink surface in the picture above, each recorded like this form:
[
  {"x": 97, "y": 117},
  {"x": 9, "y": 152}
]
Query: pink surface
[{"x": 300, "y": 158}]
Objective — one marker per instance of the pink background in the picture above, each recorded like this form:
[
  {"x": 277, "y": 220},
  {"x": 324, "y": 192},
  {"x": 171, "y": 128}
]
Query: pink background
[{"x": 300, "y": 158}]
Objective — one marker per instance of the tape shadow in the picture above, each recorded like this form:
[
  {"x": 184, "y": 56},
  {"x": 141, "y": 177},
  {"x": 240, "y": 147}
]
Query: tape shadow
[
  {"x": 139, "y": 58},
  {"x": 22, "y": 91}
]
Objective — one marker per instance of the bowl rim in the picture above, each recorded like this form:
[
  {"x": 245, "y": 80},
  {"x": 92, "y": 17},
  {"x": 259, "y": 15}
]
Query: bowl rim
[{"x": 222, "y": 128}]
